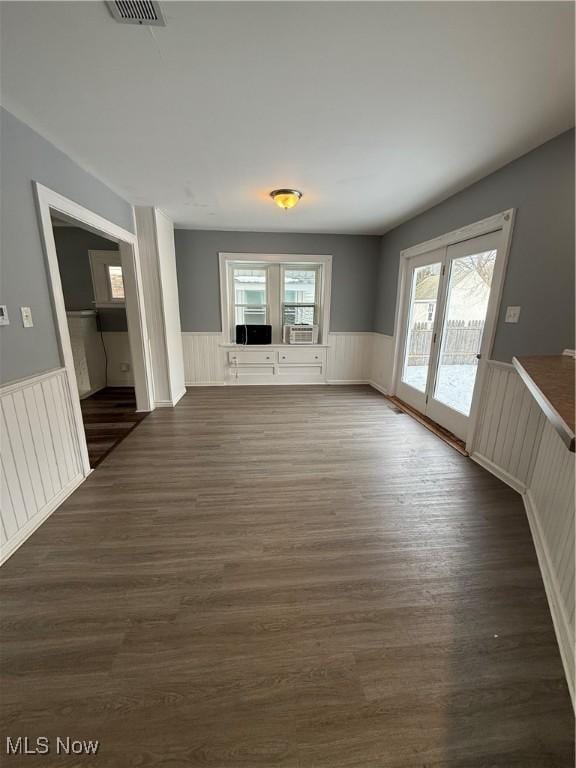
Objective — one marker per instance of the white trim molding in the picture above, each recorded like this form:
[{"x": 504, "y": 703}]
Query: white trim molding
[
  {"x": 41, "y": 459},
  {"x": 48, "y": 201},
  {"x": 503, "y": 223},
  {"x": 279, "y": 259}
]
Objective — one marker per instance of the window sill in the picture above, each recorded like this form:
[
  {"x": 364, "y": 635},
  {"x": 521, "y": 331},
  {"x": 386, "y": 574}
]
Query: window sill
[{"x": 228, "y": 345}]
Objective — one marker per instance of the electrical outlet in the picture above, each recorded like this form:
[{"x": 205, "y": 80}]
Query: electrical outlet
[
  {"x": 4, "y": 315},
  {"x": 27, "y": 321},
  {"x": 512, "y": 314},
  {"x": 124, "y": 367}
]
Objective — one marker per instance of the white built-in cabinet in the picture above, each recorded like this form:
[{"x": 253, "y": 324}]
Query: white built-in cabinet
[{"x": 276, "y": 364}]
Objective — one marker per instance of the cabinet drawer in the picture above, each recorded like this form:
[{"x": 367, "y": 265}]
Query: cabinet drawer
[
  {"x": 251, "y": 373},
  {"x": 246, "y": 356},
  {"x": 301, "y": 374},
  {"x": 302, "y": 356}
]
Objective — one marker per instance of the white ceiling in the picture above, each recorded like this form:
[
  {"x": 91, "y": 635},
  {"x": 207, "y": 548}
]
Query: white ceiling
[{"x": 374, "y": 110}]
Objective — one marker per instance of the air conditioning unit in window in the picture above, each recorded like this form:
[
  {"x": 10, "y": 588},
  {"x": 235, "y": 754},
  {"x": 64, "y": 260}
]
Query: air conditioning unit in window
[{"x": 300, "y": 334}]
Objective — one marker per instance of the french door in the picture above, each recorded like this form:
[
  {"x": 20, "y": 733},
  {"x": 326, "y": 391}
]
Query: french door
[{"x": 448, "y": 303}]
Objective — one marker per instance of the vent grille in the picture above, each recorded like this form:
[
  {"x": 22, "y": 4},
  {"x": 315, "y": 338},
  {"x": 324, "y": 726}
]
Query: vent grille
[{"x": 144, "y": 12}]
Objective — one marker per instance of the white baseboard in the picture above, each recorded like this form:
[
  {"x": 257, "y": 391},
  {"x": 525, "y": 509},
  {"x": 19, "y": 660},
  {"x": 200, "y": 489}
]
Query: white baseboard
[
  {"x": 205, "y": 383},
  {"x": 498, "y": 472},
  {"x": 27, "y": 530},
  {"x": 347, "y": 381},
  {"x": 170, "y": 403},
  {"x": 380, "y": 389},
  {"x": 561, "y": 622}
]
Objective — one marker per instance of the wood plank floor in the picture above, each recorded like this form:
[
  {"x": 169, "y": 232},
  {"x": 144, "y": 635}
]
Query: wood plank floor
[
  {"x": 108, "y": 415},
  {"x": 288, "y": 576}
]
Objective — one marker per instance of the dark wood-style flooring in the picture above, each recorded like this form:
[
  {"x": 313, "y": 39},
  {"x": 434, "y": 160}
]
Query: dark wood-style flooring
[
  {"x": 287, "y": 576},
  {"x": 108, "y": 415}
]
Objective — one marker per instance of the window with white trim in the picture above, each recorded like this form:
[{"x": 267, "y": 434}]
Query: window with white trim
[
  {"x": 274, "y": 290},
  {"x": 300, "y": 295},
  {"x": 250, "y": 288},
  {"x": 107, "y": 278}
]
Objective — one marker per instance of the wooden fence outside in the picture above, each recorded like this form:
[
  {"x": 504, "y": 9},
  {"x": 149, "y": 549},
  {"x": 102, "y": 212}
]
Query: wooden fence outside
[{"x": 460, "y": 347}]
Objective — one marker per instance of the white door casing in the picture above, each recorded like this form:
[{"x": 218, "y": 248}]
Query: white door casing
[
  {"x": 47, "y": 201},
  {"x": 444, "y": 249}
]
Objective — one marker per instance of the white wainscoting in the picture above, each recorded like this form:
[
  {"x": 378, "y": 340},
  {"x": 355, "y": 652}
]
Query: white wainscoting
[
  {"x": 40, "y": 457},
  {"x": 508, "y": 428},
  {"x": 117, "y": 345},
  {"x": 515, "y": 442},
  {"x": 203, "y": 358},
  {"x": 349, "y": 358},
  {"x": 549, "y": 503},
  {"x": 382, "y": 362}
]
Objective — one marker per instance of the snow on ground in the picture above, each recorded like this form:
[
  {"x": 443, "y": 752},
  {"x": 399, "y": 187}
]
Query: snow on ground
[{"x": 454, "y": 385}]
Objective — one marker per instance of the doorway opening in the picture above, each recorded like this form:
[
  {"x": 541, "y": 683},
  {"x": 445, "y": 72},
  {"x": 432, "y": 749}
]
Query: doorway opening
[
  {"x": 92, "y": 281},
  {"x": 115, "y": 283},
  {"x": 448, "y": 305}
]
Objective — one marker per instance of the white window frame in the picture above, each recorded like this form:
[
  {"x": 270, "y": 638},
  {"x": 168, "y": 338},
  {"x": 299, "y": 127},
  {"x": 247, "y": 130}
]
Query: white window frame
[
  {"x": 99, "y": 263},
  {"x": 311, "y": 268},
  {"x": 266, "y": 305},
  {"x": 275, "y": 263}
]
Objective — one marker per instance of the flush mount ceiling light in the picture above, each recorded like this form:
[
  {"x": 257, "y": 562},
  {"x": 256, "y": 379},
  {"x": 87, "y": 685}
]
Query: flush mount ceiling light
[{"x": 286, "y": 198}]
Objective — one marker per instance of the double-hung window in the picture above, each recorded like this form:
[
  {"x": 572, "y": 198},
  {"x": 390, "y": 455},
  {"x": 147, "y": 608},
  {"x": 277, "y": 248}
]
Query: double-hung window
[
  {"x": 300, "y": 304},
  {"x": 250, "y": 288},
  {"x": 261, "y": 289}
]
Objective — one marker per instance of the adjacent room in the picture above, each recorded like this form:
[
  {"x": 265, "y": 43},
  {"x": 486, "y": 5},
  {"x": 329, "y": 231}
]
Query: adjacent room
[
  {"x": 90, "y": 270},
  {"x": 287, "y": 378}
]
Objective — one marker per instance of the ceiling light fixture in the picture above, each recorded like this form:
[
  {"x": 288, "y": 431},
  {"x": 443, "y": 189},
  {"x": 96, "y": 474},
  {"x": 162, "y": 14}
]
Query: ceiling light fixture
[{"x": 286, "y": 198}]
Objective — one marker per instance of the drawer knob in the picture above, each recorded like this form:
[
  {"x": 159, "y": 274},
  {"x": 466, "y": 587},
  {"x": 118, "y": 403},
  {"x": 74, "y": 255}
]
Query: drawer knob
[
  {"x": 283, "y": 357},
  {"x": 315, "y": 357}
]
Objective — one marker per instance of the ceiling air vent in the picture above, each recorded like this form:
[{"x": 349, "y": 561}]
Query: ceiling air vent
[{"x": 145, "y": 12}]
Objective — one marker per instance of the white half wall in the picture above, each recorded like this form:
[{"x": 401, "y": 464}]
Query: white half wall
[
  {"x": 40, "y": 457},
  {"x": 508, "y": 428},
  {"x": 515, "y": 442}
]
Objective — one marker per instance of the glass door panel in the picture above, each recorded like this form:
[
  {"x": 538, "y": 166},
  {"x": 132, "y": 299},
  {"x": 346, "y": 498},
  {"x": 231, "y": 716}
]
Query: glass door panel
[
  {"x": 420, "y": 332},
  {"x": 469, "y": 284}
]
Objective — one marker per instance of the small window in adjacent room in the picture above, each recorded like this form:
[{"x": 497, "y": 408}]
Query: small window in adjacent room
[
  {"x": 107, "y": 278},
  {"x": 116, "y": 282},
  {"x": 299, "y": 300}
]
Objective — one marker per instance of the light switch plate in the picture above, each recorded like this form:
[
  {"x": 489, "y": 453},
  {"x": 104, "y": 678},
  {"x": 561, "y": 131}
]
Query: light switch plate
[
  {"x": 4, "y": 315},
  {"x": 512, "y": 314},
  {"x": 27, "y": 321}
]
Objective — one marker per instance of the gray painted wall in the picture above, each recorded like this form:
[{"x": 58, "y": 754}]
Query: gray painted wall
[
  {"x": 72, "y": 246},
  {"x": 25, "y": 156},
  {"x": 354, "y": 272},
  {"x": 540, "y": 274}
]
